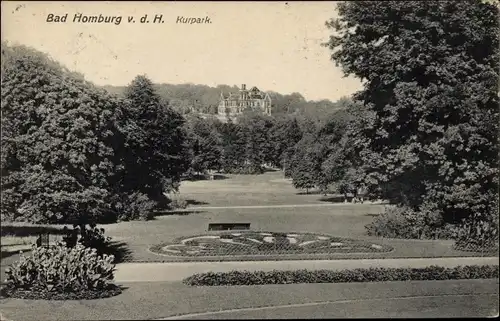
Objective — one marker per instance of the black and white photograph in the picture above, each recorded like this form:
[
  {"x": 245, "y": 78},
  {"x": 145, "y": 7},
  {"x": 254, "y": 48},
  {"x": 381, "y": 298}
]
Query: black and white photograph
[{"x": 193, "y": 160}]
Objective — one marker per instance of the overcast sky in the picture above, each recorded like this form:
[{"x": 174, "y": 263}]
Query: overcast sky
[{"x": 272, "y": 45}]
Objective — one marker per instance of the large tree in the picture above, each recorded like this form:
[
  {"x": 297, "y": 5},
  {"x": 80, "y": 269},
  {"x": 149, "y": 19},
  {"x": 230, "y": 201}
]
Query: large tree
[
  {"x": 205, "y": 144},
  {"x": 156, "y": 150},
  {"x": 284, "y": 135},
  {"x": 58, "y": 142},
  {"x": 430, "y": 71},
  {"x": 233, "y": 146},
  {"x": 257, "y": 129}
]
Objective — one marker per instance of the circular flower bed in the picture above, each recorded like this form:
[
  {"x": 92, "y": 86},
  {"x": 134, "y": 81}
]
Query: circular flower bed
[{"x": 262, "y": 243}]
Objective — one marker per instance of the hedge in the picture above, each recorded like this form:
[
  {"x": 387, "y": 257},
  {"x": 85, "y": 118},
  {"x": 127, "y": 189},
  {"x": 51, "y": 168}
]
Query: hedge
[{"x": 344, "y": 276}]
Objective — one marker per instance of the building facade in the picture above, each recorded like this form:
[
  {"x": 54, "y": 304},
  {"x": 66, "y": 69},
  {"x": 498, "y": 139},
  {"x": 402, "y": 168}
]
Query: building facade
[{"x": 236, "y": 103}]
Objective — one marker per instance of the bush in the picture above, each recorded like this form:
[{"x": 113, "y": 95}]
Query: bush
[
  {"x": 478, "y": 236},
  {"x": 178, "y": 204},
  {"x": 135, "y": 206},
  {"x": 246, "y": 170},
  {"x": 91, "y": 237},
  {"x": 402, "y": 222},
  {"x": 356, "y": 275},
  {"x": 62, "y": 273}
]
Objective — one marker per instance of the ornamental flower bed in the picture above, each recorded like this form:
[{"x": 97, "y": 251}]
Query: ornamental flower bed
[{"x": 264, "y": 243}]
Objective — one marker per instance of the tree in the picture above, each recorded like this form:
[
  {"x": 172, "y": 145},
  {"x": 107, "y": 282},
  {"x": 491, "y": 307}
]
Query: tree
[
  {"x": 58, "y": 143},
  {"x": 233, "y": 146},
  {"x": 258, "y": 149},
  {"x": 284, "y": 135},
  {"x": 205, "y": 145},
  {"x": 431, "y": 80},
  {"x": 155, "y": 152},
  {"x": 305, "y": 167}
]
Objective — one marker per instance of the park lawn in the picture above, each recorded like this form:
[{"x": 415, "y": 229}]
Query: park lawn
[
  {"x": 152, "y": 300},
  {"x": 133, "y": 239},
  {"x": 342, "y": 220},
  {"x": 270, "y": 188}
]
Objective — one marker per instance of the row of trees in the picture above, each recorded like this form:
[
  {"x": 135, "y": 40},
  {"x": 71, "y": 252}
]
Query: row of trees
[
  {"x": 423, "y": 133},
  {"x": 74, "y": 153},
  {"x": 191, "y": 98},
  {"x": 243, "y": 145}
]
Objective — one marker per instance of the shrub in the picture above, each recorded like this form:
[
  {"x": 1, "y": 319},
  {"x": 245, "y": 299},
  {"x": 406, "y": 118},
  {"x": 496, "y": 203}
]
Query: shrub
[
  {"x": 478, "y": 236},
  {"x": 60, "y": 272},
  {"x": 402, "y": 222},
  {"x": 91, "y": 237},
  {"x": 344, "y": 276},
  {"x": 178, "y": 204},
  {"x": 246, "y": 170},
  {"x": 135, "y": 206}
]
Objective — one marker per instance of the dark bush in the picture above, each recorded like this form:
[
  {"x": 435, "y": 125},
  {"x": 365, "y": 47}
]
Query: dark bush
[
  {"x": 246, "y": 170},
  {"x": 135, "y": 206},
  {"x": 402, "y": 222},
  {"x": 344, "y": 276},
  {"x": 90, "y": 237}
]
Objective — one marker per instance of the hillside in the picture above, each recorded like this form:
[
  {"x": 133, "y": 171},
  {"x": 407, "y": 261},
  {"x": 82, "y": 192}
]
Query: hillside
[{"x": 205, "y": 99}]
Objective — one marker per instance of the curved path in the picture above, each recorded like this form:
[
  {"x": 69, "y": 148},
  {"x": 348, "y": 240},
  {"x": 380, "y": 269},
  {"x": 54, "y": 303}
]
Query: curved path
[
  {"x": 460, "y": 305},
  {"x": 176, "y": 271}
]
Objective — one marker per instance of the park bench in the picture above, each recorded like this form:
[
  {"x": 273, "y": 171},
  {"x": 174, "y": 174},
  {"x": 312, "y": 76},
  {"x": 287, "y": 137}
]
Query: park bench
[{"x": 228, "y": 226}]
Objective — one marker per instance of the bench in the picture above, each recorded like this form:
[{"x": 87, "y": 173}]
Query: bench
[{"x": 228, "y": 226}]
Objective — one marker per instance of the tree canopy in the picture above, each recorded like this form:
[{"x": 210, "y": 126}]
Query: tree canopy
[
  {"x": 430, "y": 71},
  {"x": 58, "y": 138}
]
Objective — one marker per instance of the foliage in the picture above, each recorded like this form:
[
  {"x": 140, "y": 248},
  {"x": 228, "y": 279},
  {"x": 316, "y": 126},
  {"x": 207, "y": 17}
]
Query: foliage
[
  {"x": 178, "y": 204},
  {"x": 233, "y": 146},
  {"x": 403, "y": 222},
  {"x": 60, "y": 270},
  {"x": 205, "y": 144},
  {"x": 190, "y": 99},
  {"x": 431, "y": 87},
  {"x": 58, "y": 141},
  {"x": 135, "y": 205},
  {"x": 258, "y": 147},
  {"x": 343, "y": 276},
  {"x": 305, "y": 165},
  {"x": 284, "y": 135},
  {"x": 155, "y": 150},
  {"x": 91, "y": 237}
]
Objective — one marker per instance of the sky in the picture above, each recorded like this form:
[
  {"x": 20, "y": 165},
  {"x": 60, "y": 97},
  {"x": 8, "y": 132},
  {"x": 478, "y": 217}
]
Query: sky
[{"x": 275, "y": 46}]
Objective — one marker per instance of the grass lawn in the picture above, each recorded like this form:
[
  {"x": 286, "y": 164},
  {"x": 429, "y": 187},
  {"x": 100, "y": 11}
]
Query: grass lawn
[
  {"x": 162, "y": 299},
  {"x": 133, "y": 239},
  {"x": 270, "y": 188}
]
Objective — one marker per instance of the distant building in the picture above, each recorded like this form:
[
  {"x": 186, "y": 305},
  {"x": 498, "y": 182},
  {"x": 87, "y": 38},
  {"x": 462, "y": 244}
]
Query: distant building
[{"x": 236, "y": 103}]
